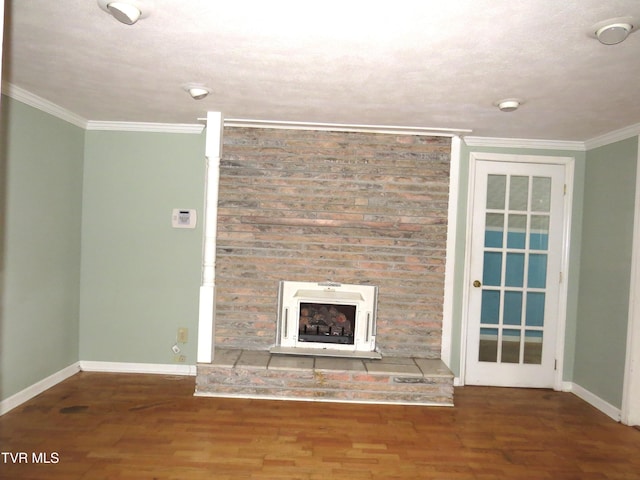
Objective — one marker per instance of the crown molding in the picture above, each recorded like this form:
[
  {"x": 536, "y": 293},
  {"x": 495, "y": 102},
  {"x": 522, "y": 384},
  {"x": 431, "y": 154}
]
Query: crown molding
[
  {"x": 344, "y": 127},
  {"x": 524, "y": 143},
  {"x": 28, "y": 98},
  {"x": 145, "y": 127},
  {"x": 40, "y": 103},
  {"x": 615, "y": 136}
]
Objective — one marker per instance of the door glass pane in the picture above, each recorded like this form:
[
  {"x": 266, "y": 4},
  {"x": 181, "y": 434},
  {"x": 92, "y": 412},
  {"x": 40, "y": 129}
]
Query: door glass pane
[
  {"x": 494, "y": 230},
  {"x": 535, "y": 309},
  {"x": 496, "y": 190},
  {"x": 519, "y": 193},
  {"x": 488, "y": 345},
  {"x": 537, "y": 277},
  {"x": 516, "y": 248},
  {"x": 490, "y": 309},
  {"x": 512, "y": 308},
  {"x": 492, "y": 269},
  {"x": 510, "y": 346},
  {"x": 541, "y": 194},
  {"x": 539, "y": 233},
  {"x": 533, "y": 347},
  {"x": 514, "y": 276},
  {"x": 516, "y": 235}
]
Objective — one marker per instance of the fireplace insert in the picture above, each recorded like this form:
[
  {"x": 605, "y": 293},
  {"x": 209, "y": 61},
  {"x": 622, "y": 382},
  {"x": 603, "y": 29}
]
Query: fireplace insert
[{"x": 326, "y": 319}]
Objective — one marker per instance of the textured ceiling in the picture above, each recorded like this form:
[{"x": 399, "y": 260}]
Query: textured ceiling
[{"x": 438, "y": 64}]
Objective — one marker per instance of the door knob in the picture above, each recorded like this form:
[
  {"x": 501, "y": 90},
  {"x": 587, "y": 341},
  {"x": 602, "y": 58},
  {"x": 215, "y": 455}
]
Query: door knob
[{"x": 477, "y": 283}]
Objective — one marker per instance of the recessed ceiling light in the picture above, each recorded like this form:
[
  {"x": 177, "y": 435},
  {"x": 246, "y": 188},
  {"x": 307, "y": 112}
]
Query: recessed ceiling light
[
  {"x": 614, "y": 33},
  {"x": 126, "y": 11},
  {"x": 196, "y": 90},
  {"x": 614, "y": 30},
  {"x": 508, "y": 104}
]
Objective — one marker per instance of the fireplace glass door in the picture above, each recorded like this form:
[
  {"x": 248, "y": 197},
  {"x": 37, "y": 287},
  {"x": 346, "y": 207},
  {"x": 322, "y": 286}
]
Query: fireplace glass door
[{"x": 327, "y": 323}]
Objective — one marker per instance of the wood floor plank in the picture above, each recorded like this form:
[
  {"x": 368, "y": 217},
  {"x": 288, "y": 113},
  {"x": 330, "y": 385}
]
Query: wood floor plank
[{"x": 117, "y": 426}]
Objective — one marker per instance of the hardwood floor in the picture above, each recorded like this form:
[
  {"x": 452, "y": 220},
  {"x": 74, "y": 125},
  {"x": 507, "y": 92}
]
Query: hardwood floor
[{"x": 117, "y": 426}]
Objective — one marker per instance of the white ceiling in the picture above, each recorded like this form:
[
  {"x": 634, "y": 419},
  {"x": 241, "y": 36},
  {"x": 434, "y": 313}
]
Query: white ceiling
[{"x": 435, "y": 64}]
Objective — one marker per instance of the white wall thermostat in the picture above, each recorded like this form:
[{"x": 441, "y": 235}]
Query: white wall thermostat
[{"x": 183, "y": 218}]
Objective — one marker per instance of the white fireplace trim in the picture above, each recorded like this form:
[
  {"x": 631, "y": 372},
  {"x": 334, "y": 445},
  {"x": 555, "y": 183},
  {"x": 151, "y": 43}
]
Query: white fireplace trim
[{"x": 206, "y": 313}]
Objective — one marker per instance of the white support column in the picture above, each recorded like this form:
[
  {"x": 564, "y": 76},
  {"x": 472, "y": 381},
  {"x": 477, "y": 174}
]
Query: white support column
[
  {"x": 213, "y": 152},
  {"x": 452, "y": 220}
]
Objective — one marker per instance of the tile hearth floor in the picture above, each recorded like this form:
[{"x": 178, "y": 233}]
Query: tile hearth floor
[{"x": 259, "y": 359}]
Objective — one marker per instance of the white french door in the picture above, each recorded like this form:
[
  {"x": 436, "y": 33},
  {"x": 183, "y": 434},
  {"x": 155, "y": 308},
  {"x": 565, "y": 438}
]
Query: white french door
[{"x": 516, "y": 250}]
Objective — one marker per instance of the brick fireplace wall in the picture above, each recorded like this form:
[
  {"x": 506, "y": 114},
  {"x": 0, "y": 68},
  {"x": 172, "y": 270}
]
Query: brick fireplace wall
[{"x": 347, "y": 207}]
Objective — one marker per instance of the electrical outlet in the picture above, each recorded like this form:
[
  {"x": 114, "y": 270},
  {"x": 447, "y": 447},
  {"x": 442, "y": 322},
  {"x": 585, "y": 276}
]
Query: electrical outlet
[
  {"x": 175, "y": 349},
  {"x": 183, "y": 335}
]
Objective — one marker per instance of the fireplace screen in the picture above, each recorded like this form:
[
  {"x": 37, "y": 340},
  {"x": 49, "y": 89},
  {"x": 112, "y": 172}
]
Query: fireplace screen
[
  {"x": 326, "y": 319},
  {"x": 326, "y": 323}
]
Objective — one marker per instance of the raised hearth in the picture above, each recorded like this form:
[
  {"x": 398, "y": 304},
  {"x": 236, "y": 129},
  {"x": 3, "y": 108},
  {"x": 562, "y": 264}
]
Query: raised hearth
[{"x": 261, "y": 374}]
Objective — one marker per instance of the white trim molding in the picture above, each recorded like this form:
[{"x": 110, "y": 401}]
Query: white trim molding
[
  {"x": 615, "y": 136},
  {"x": 449, "y": 272},
  {"x": 207, "y": 308},
  {"x": 43, "y": 105},
  {"x": 593, "y": 400},
  {"x": 145, "y": 127},
  {"x": 37, "y": 388},
  {"x": 344, "y": 127},
  {"x": 524, "y": 143},
  {"x": 145, "y": 368},
  {"x": 527, "y": 143}
]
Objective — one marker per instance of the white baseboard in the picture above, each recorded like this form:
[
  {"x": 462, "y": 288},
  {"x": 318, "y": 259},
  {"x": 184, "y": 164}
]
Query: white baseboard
[
  {"x": 153, "y": 368},
  {"x": 584, "y": 394},
  {"x": 37, "y": 388},
  {"x": 593, "y": 400},
  {"x": 28, "y": 393}
]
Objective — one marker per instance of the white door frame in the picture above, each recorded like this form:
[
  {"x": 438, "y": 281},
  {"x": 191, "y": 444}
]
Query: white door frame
[
  {"x": 630, "y": 412},
  {"x": 569, "y": 165}
]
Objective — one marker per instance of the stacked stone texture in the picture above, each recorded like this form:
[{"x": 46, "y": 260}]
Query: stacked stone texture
[
  {"x": 258, "y": 374},
  {"x": 344, "y": 386},
  {"x": 348, "y": 207}
]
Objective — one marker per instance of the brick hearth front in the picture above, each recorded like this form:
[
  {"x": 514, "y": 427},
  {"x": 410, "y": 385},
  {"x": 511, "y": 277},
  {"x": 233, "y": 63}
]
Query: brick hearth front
[{"x": 259, "y": 374}]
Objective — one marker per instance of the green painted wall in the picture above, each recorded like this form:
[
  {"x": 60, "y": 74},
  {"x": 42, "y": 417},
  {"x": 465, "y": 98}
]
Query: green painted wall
[
  {"x": 41, "y": 189},
  {"x": 92, "y": 269},
  {"x": 574, "y": 261},
  {"x": 605, "y": 269},
  {"x": 140, "y": 277}
]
